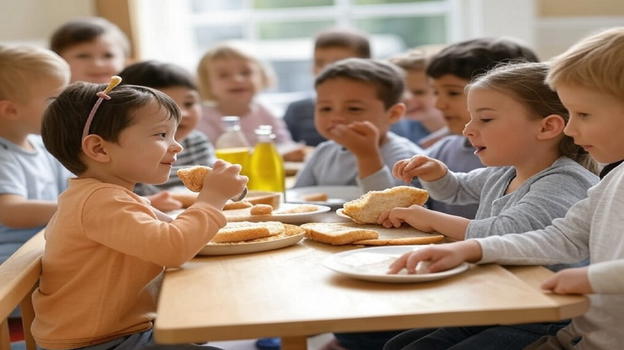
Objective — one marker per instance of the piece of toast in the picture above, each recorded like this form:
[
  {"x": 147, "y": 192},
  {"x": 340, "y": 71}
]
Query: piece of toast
[
  {"x": 336, "y": 234},
  {"x": 193, "y": 177},
  {"x": 289, "y": 230},
  {"x": 367, "y": 208},
  {"x": 245, "y": 230},
  {"x": 316, "y": 197},
  {"x": 401, "y": 241},
  {"x": 261, "y": 209}
]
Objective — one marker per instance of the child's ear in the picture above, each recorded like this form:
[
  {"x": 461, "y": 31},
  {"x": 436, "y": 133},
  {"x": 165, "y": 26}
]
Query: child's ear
[
  {"x": 94, "y": 147},
  {"x": 552, "y": 126},
  {"x": 8, "y": 110},
  {"x": 396, "y": 112}
]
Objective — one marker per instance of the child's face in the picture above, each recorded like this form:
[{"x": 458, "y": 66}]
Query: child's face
[
  {"x": 419, "y": 100},
  {"x": 188, "y": 101},
  {"x": 95, "y": 61},
  {"x": 146, "y": 150},
  {"x": 451, "y": 101},
  {"x": 234, "y": 80},
  {"x": 326, "y": 55},
  {"x": 501, "y": 129},
  {"x": 344, "y": 101},
  {"x": 596, "y": 121},
  {"x": 41, "y": 94}
]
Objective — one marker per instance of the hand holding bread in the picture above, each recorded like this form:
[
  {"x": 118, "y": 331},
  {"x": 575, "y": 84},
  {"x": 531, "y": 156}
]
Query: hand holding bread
[
  {"x": 361, "y": 138},
  {"x": 368, "y": 208},
  {"x": 215, "y": 185},
  {"x": 423, "y": 167}
]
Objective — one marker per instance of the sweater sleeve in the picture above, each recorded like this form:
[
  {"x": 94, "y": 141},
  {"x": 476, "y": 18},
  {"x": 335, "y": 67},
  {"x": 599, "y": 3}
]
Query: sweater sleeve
[
  {"x": 606, "y": 277},
  {"x": 115, "y": 219}
]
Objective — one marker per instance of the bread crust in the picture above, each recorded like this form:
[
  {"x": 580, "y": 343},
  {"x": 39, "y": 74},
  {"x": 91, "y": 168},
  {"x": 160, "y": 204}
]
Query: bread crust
[
  {"x": 367, "y": 208},
  {"x": 193, "y": 177},
  {"x": 245, "y": 230},
  {"x": 336, "y": 234},
  {"x": 261, "y": 209}
]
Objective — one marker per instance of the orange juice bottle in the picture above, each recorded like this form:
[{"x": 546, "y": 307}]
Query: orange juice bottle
[
  {"x": 232, "y": 146},
  {"x": 266, "y": 167}
]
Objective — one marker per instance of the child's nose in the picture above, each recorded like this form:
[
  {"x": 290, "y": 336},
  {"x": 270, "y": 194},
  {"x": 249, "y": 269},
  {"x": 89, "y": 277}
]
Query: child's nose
[
  {"x": 468, "y": 130},
  {"x": 175, "y": 147},
  {"x": 440, "y": 103},
  {"x": 570, "y": 128}
]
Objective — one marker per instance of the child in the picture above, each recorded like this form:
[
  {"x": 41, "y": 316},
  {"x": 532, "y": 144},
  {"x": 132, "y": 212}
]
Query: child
[
  {"x": 451, "y": 70},
  {"x": 178, "y": 84},
  {"x": 329, "y": 46},
  {"x": 95, "y": 48},
  {"x": 30, "y": 178},
  {"x": 230, "y": 79},
  {"x": 105, "y": 246},
  {"x": 423, "y": 124},
  {"x": 357, "y": 101},
  {"x": 516, "y": 127},
  {"x": 587, "y": 78}
]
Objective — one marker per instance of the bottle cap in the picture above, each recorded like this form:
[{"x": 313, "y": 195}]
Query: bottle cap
[{"x": 230, "y": 121}]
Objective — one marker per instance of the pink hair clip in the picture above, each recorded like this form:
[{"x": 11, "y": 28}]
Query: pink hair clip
[{"x": 103, "y": 95}]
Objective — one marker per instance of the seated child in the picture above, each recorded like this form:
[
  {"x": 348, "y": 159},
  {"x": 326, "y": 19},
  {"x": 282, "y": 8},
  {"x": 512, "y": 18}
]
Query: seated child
[
  {"x": 587, "y": 79},
  {"x": 95, "y": 48},
  {"x": 178, "y": 84},
  {"x": 229, "y": 80},
  {"x": 451, "y": 70},
  {"x": 423, "y": 124},
  {"x": 105, "y": 246},
  {"x": 330, "y": 45},
  {"x": 357, "y": 101},
  {"x": 30, "y": 178}
]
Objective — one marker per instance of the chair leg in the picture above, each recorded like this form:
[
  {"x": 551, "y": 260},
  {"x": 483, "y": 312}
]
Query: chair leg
[
  {"x": 28, "y": 315},
  {"x": 5, "y": 338}
]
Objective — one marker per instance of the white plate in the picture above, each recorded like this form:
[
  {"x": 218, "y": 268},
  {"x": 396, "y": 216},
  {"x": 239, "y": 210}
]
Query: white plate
[
  {"x": 338, "y": 195},
  {"x": 371, "y": 264},
  {"x": 340, "y": 212},
  {"x": 279, "y": 214},
  {"x": 250, "y": 247}
]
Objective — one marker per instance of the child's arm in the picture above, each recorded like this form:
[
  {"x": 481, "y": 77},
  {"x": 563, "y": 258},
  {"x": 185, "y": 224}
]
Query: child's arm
[
  {"x": 165, "y": 201},
  {"x": 570, "y": 281},
  {"x": 19, "y": 212},
  {"x": 603, "y": 277},
  {"x": 426, "y": 220}
]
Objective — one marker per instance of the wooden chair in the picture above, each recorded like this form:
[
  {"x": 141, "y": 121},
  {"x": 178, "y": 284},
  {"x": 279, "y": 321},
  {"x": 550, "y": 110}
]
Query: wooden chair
[{"x": 19, "y": 276}]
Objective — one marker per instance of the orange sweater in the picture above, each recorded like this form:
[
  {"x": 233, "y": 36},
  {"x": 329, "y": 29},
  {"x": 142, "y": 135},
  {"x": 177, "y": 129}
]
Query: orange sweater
[{"x": 105, "y": 250}]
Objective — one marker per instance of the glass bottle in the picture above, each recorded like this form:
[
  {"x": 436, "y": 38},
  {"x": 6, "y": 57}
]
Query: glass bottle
[
  {"x": 266, "y": 167},
  {"x": 232, "y": 146}
]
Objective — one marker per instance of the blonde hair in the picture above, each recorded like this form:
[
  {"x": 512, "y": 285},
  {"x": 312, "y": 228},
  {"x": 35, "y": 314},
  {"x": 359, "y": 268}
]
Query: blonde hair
[
  {"x": 524, "y": 82},
  {"x": 22, "y": 66},
  {"x": 595, "y": 62},
  {"x": 227, "y": 51}
]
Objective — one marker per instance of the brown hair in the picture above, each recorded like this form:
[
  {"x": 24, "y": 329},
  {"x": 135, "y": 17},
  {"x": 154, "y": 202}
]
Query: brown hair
[
  {"x": 21, "y": 66},
  {"x": 226, "y": 51},
  {"x": 594, "y": 62},
  {"x": 524, "y": 82},
  {"x": 344, "y": 38},
  {"x": 66, "y": 116},
  {"x": 82, "y": 30},
  {"x": 384, "y": 76}
]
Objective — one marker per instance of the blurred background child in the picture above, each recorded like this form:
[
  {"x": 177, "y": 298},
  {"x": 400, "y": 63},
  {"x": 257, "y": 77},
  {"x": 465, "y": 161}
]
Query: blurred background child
[
  {"x": 330, "y": 46},
  {"x": 30, "y": 178},
  {"x": 451, "y": 70},
  {"x": 95, "y": 48},
  {"x": 357, "y": 101},
  {"x": 178, "y": 84},
  {"x": 106, "y": 245}
]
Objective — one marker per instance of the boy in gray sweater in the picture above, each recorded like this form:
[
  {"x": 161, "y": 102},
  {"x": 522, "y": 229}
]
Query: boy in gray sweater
[{"x": 587, "y": 78}]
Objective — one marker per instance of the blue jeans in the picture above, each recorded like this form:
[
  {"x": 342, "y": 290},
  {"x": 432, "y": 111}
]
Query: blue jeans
[
  {"x": 143, "y": 341},
  {"x": 365, "y": 340},
  {"x": 474, "y": 338}
]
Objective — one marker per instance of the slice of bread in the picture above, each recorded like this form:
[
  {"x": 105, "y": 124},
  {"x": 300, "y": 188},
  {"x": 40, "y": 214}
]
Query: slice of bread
[
  {"x": 336, "y": 234},
  {"x": 193, "y": 177},
  {"x": 367, "y": 208},
  {"x": 261, "y": 209},
  {"x": 401, "y": 241},
  {"x": 245, "y": 230}
]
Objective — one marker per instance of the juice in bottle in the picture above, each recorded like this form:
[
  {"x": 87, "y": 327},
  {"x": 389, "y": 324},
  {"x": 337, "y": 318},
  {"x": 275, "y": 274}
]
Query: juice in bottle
[
  {"x": 266, "y": 167},
  {"x": 232, "y": 146}
]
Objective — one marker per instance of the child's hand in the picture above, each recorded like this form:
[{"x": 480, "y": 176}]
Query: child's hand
[
  {"x": 415, "y": 216},
  {"x": 361, "y": 138},
  {"x": 441, "y": 257},
  {"x": 222, "y": 183},
  {"x": 164, "y": 201},
  {"x": 420, "y": 166},
  {"x": 569, "y": 281}
]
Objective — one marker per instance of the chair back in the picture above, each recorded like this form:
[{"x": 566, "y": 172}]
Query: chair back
[{"x": 19, "y": 276}]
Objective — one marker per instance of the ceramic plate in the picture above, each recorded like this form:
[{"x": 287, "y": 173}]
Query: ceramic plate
[
  {"x": 250, "y": 247},
  {"x": 284, "y": 214},
  {"x": 371, "y": 264},
  {"x": 338, "y": 195}
]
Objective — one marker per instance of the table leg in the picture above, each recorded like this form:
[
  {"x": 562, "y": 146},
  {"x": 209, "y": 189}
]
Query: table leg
[{"x": 295, "y": 343}]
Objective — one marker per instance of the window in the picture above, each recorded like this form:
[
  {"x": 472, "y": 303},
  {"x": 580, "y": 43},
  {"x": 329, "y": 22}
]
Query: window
[{"x": 281, "y": 32}]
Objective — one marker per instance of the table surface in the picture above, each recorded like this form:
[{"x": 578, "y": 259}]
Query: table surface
[{"x": 288, "y": 293}]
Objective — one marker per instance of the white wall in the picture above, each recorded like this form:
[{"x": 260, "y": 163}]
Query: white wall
[{"x": 33, "y": 21}]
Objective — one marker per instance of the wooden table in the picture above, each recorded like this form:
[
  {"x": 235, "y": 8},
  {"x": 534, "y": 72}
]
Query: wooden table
[{"x": 288, "y": 293}]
